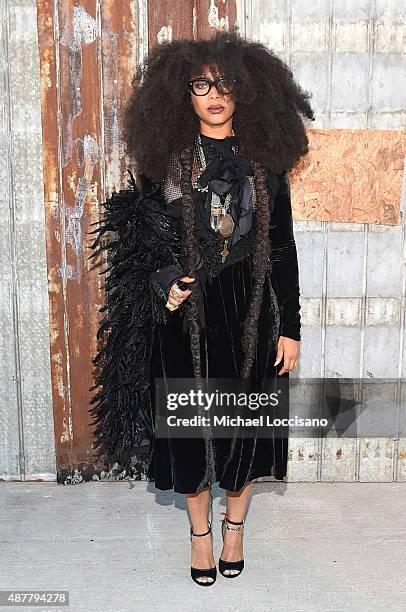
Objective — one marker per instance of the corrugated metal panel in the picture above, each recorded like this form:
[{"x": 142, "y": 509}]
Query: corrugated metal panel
[
  {"x": 26, "y": 431},
  {"x": 351, "y": 57}
]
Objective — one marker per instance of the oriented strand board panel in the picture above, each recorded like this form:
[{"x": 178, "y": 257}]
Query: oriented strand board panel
[{"x": 353, "y": 176}]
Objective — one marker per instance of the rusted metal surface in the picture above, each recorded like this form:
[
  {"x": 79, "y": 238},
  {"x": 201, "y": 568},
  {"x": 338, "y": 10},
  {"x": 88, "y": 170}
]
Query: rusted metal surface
[
  {"x": 173, "y": 19},
  {"x": 89, "y": 52},
  {"x": 87, "y": 58},
  {"x": 55, "y": 231},
  {"x": 351, "y": 176}
]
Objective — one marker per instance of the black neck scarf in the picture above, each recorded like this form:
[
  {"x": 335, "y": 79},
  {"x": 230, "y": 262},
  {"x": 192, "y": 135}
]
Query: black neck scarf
[{"x": 228, "y": 174}]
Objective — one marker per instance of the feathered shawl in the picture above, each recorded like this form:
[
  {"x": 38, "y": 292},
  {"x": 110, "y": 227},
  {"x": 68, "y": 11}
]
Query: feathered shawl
[{"x": 146, "y": 240}]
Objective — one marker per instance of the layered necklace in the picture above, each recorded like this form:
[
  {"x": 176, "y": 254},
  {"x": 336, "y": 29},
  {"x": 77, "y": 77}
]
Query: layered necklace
[{"x": 220, "y": 219}]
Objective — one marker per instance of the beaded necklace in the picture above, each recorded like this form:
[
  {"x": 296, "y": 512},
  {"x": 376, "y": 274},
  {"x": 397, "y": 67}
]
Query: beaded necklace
[{"x": 220, "y": 219}]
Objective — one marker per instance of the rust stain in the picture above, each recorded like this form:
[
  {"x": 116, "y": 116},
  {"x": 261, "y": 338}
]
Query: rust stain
[
  {"x": 80, "y": 323},
  {"x": 339, "y": 453},
  {"x": 54, "y": 215}
]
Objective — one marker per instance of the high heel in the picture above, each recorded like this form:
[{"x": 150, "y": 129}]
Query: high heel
[
  {"x": 237, "y": 566},
  {"x": 196, "y": 572}
]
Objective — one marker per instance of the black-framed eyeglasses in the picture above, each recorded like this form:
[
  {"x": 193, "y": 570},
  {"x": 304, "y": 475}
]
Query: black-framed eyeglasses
[{"x": 202, "y": 86}]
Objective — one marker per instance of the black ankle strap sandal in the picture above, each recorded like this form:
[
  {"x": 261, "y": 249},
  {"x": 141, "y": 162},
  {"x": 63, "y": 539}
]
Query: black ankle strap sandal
[
  {"x": 235, "y": 566},
  {"x": 196, "y": 572}
]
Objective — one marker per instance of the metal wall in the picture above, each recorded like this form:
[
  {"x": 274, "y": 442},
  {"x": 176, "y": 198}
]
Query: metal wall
[
  {"x": 64, "y": 83},
  {"x": 351, "y": 56},
  {"x": 27, "y": 444}
]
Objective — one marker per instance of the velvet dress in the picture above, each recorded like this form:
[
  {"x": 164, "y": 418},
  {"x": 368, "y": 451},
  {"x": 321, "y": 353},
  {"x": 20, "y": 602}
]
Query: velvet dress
[{"x": 181, "y": 463}]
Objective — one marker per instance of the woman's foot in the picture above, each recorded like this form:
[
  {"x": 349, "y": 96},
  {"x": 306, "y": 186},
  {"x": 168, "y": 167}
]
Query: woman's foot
[
  {"x": 233, "y": 550},
  {"x": 202, "y": 556}
]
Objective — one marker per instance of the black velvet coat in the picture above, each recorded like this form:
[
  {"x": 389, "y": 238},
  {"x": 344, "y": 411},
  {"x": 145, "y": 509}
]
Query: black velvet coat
[{"x": 146, "y": 340}]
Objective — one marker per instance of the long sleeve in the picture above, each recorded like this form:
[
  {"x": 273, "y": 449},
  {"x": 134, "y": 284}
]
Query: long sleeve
[
  {"x": 143, "y": 241},
  {"x": 163, "y": 278},
  {"x": 285, "y": 269}
]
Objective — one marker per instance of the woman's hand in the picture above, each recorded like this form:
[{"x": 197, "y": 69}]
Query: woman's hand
[
  {"x": 176, "y": 295},
  {"x": 289, "y": 349}
]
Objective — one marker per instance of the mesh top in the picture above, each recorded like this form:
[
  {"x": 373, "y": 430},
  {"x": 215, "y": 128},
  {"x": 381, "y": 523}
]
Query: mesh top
[
  {"x": 171, "y": 188},
  {"x": 213, "y": 245}
]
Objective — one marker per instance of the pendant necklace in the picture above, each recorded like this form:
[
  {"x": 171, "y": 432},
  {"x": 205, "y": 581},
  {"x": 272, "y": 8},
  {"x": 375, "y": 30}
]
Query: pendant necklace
[{"x": 220, "y": 219}]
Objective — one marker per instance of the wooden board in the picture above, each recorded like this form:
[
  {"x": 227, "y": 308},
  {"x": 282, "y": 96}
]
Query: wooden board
[{"x": 351, "y": 176}]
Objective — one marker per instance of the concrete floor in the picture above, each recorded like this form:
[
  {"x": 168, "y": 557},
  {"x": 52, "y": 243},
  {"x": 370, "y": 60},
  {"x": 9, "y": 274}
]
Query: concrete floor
[{"x": 124, "y": 546}]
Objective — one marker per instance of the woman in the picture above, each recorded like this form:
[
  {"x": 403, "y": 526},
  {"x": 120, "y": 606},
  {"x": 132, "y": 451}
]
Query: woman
[{"x": 203, "y": 280}]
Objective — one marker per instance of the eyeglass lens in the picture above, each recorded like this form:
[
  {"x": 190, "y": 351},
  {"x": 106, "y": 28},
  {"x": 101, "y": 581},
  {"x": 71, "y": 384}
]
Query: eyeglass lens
[{"x": 202, "y": 86}]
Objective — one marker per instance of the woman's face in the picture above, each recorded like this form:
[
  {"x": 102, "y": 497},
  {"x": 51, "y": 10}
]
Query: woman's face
[{"x": 205, "y": 106}]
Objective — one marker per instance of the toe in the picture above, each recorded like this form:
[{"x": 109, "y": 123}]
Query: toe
[{"x": 205, "y": 579}]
